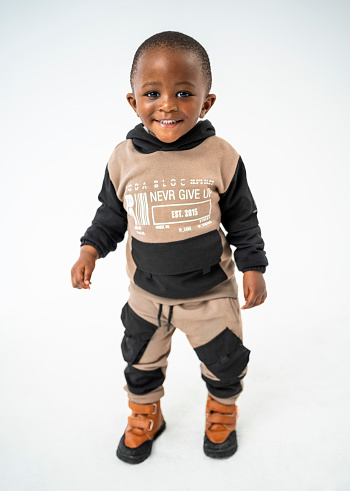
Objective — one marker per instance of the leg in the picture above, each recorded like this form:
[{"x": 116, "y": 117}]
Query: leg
[
  {"x": 145, "y": 348},
  {"x": 214, "y": 330}
]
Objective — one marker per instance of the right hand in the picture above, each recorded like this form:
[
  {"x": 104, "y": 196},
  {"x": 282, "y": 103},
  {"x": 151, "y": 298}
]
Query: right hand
[{"x": 83, "y": 268}]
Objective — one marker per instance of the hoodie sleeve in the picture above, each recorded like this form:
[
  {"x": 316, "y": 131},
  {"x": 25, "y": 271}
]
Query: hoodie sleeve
[
  {"x": 239, "y": 217},
  {"x": 110, "y": 222}
]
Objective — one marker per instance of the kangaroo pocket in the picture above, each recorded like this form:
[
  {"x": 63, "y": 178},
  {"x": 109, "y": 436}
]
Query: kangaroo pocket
[{"x": 179, "y": 269}]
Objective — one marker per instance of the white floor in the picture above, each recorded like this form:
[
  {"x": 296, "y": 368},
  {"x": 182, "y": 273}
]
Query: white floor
[{"x": 63, "y": 408}]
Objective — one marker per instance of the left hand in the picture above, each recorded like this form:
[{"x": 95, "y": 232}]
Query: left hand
[{"x": 254, "y": 289}]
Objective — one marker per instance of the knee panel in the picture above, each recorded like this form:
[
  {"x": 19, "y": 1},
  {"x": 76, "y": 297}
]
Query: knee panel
[
  {"x": 137, "y": 335},
  {"x": 226, "y": 357},
  {"x": 140, "y": 382}
]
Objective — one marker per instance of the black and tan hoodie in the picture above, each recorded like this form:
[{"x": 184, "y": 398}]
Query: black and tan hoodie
[{"x": 173, "y": 200}]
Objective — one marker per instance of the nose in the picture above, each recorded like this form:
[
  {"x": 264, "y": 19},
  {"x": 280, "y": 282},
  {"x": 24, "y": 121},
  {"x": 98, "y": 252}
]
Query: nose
[{"x": 168, "y": 103}]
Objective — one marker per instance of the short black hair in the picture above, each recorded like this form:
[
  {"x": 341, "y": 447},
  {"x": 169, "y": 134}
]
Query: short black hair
[{"x": 176, "y": 41}]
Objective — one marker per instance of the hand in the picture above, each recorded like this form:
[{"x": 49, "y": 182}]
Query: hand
[
  {"x": 254, "y": 289},
  {"x": 83, "y": 268}
]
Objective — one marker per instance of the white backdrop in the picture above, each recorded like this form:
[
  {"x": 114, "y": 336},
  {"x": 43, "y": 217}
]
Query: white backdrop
[{"x": 281, "y": 76}]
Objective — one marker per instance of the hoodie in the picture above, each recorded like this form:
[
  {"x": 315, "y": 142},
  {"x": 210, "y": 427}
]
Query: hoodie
[{"x": 183, "y": 205}]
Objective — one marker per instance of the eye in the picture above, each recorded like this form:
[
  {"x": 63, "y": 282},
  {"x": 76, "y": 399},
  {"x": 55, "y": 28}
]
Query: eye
[
  {"x": 153, "y": 94},
  {"x": 183, "y": 94}
]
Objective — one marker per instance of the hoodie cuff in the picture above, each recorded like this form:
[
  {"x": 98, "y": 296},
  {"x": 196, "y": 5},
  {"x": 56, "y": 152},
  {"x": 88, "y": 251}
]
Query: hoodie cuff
[
  {"x": 93, "y": 244},
  {"x": 260, "y": 269}
]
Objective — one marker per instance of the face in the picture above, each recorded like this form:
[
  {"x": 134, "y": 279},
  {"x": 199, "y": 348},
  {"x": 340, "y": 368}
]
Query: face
[{"x": 170, "y": 93}]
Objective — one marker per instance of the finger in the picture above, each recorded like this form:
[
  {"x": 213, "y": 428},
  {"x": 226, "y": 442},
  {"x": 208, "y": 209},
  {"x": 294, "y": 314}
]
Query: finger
[
  {"x": 87, "y": 277},
  {"x": 78, "y": 278},
  {"x": 245, "y": 292},
  {"x": 75, "y": 278},
  {"x": 258, "y": 301},
  {"x": 263, "y": 298},
  {"x": 250, "y": 301}
]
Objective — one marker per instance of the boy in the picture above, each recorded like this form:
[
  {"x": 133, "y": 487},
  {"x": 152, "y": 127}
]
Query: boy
[{"x": 171, "y": 184}]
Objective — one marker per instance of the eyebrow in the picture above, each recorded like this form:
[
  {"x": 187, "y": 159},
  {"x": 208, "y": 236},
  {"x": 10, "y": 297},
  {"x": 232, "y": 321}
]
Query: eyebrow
[
  {"x": 186, "y": 83},
  {"x": 159, "y": 84},
  {"x": 150, "y": 83}
]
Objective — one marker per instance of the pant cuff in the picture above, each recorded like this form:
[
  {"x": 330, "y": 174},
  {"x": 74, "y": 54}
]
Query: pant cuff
[
  {"x": 148, "y": 398},
  {"x": 228, "y": 401}
]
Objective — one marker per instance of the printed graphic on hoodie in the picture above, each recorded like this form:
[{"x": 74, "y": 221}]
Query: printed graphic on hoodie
[{"x": 174, "y": 202}]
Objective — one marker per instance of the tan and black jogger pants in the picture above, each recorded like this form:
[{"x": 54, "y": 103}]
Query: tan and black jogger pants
[{"x": 214, "y": 330}]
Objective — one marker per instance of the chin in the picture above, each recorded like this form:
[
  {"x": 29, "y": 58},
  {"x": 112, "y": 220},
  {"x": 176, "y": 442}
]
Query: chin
[{"x": 168, "y": 140}]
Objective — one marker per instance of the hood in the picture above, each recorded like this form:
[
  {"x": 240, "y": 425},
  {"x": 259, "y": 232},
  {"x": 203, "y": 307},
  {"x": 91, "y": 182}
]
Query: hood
[{"x": 144, "y": 142}]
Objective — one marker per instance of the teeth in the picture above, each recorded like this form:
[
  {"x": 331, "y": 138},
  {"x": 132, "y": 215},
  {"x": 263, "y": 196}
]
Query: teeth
[{"x": 167, "y": 121}]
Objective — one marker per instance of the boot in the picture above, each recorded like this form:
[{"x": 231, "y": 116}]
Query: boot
[
  {"x": 145, "y": 424},
  {"x": 220, "y": 435}
]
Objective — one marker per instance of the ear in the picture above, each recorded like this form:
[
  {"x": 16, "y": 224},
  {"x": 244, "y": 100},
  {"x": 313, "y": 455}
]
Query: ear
[
  {"x": 132, "y": 101},
  {"x": 209, "y": 101}
]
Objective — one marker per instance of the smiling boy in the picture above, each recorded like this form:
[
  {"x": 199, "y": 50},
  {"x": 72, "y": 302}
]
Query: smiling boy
[
  {"x": 183, "y": 93},
  {"x": 173, "y": 185}
]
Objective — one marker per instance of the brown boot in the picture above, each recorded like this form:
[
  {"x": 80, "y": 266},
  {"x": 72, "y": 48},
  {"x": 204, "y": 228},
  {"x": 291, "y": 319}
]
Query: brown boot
[
  {"x": 145, "y": 424},
  {"x": 220, "y": 435}
]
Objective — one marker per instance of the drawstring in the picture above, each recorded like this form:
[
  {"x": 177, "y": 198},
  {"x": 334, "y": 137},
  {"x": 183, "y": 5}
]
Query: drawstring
[
  {"x": 169, "y": 316},
  {"x": 159, "y": 314}
]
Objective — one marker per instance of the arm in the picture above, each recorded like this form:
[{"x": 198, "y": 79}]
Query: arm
[
  {"x": 110, "y": 222},
  {"x": 106, "y": 231},
  {"x": 239, "y": 217}
]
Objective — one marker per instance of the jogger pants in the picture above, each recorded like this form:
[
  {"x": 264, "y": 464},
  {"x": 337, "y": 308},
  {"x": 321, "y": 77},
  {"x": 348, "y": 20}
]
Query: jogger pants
[{"x": 214, "y": 330}]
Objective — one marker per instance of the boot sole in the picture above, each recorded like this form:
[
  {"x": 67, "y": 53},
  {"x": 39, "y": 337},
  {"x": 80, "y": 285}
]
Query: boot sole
[
  {"x": 138, "y": 454},
  {"x": 222, "y": 450}
]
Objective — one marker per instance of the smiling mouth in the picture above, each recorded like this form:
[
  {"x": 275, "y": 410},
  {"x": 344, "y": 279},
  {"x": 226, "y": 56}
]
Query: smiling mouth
[{"x": 167, "y": 122}]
